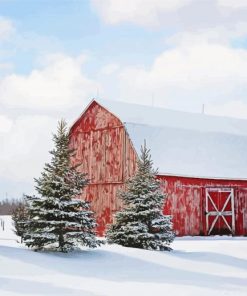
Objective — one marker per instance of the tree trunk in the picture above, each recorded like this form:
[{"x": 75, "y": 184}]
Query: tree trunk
[{"x": 61, "y": 241}]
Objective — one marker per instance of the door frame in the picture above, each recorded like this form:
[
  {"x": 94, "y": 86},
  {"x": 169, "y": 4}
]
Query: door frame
[{"x": 219, "y": 212}]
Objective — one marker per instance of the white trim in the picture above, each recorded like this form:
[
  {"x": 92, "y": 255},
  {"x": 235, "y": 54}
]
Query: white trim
[
  {"x": 212, "y": 225},
  {"x": 233, "y": 212},
  {"x": 220, "y": 213},
  {"x": 207, "y": 226},
  {"x": 214, "y": 205},
  {"x": 200, "y": 177},
  {"x": 231, "y": 230}
]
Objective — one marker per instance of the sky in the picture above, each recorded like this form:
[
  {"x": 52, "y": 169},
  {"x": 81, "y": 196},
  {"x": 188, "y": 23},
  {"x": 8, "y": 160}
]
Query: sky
[{"x": 55, "y": 56}]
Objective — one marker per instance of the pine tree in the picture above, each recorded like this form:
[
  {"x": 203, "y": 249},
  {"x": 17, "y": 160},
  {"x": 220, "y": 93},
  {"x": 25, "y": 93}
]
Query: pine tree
[
  {"x": 141, "y": 223},
  {"x": 57, "y": 217}
]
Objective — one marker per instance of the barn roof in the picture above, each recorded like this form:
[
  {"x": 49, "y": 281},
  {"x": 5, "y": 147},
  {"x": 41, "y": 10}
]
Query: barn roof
[{"x": 186, "y": 144}]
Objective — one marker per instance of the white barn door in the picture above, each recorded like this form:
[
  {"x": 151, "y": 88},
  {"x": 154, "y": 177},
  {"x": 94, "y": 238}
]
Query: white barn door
[{"x": 219, "y": 210}]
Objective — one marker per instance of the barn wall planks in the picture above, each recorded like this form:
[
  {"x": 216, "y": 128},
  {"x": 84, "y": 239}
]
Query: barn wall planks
[
  {"x": 105, "y": 152},
  {"x": 186, "y": 203}
]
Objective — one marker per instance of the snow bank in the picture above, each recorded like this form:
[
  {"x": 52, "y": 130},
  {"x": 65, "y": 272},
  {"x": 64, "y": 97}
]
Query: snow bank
[
  {"x": 7, "y": 228},
  {"x": 195, "y": 267}
]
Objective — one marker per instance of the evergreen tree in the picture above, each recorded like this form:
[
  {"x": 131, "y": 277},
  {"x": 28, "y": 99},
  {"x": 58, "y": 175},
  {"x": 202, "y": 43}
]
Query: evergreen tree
[
  {"x": 57, "y": 217},
  {"x": 141, "y": 223}
]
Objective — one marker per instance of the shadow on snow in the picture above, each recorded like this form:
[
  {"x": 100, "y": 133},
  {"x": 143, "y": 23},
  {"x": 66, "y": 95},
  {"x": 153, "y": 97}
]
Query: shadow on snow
[{"x": 113, "y": 266}]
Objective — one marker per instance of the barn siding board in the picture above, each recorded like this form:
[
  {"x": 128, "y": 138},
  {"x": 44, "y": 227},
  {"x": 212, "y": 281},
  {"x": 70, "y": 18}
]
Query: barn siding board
[
  {"x": 104, "y": 202},
  {"x": 107, "y": 155},
  {"x": 114, "y": 154},
  {"x": 97, "y": 156},
  {"x": 103, "y": 147},
  {"x": 186, "y": 203}
]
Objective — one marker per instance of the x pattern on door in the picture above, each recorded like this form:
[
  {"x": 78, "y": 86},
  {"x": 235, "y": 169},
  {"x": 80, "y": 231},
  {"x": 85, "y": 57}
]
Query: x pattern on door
[{"x": 220, "y": 211}]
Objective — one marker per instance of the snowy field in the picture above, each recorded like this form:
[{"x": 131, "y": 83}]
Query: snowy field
[{"x": 197, "y": 266}]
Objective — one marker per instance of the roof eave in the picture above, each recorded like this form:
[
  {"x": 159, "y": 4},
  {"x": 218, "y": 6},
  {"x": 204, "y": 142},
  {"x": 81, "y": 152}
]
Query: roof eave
[{"x": 199, "y": 177}]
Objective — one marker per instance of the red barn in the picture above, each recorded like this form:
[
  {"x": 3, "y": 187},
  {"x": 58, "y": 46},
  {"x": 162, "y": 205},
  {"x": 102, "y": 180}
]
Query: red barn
[{"x": 202, "y": 161}]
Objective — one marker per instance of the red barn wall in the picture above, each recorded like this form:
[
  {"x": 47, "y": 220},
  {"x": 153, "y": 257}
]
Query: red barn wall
[
  {"x": 103, "y": 148},
  {"x": 107, "y": 155},
  {"x": 186, "y": 203}
]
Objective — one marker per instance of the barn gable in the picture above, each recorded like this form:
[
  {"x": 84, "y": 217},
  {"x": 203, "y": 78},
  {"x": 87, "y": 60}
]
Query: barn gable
[
  {"x": 106, "y": 154},
  {"x": 104, "y": 145},
  {"x": 95, "y": 117}
]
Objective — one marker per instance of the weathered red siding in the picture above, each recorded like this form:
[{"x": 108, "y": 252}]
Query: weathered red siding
[
  {"x": 107, "y": 155},
  {"x": 186, "y": 203},
  {"x": 103, "y": 148}
]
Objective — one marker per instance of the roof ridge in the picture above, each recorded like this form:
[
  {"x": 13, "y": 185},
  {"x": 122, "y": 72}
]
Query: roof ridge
[{"x": 102, "y": 101}]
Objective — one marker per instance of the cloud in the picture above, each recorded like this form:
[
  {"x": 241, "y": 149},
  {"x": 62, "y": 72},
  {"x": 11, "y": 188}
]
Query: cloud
[
  {"x": 5, "y": 124},
  {"x": 232, "y": 108},
  {"x": 15, "y": 41},
  {"x": 217, "y": 35},
  {"x": 141, "y": 12},
  {"x": 6, "y": 66},
  {"x": 234, "y": 4},
  {"x": 58, "y": 83},
  {"x": 199, "y": 65},
  {"x": 25, "y": 143},
  {"x": 55, "y": 88},
  {"x": 176, "y": 15},
  {"x": 188, "y": 75},
  {"x": 109, "y": 69},
  {"x": 6, "y": 28}
]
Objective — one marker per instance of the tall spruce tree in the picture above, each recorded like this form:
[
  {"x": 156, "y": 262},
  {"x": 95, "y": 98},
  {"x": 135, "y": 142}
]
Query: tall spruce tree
[
  {"x": 141, "y": 223},
  {"x": 57, "y": 217}
]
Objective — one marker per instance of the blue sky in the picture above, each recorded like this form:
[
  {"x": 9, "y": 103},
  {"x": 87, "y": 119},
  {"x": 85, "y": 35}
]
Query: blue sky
[
  {"x": 57, "y": 55},
  {"x": 74, "y": 27}
]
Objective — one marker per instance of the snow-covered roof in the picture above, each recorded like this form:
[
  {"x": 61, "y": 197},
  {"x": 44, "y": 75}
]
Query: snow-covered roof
[{"x": 186, "y": 144}]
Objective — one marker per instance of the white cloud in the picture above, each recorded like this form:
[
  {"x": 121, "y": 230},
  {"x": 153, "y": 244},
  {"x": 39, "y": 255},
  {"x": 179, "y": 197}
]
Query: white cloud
[
  {"x": 216, "y": 35},
  {"x": 59, "y": 82},
  {"x": 6, "y": 28},
  {"x": 5, "y": 124},
  {"x": 178, "y": 15},
  {"x": 109, "y": 69},
  {"x": 200, "y": 64},
  {"x": 142, "y": 12},
  {"x": 24, "y": 147},
  {"x": 234, "y": 4},
  {"x": 6, "y": 66},
  {"x": 188, "y": 75},
  {"x": 232, "y": 108},
  {"x": 57, "y": 88}
]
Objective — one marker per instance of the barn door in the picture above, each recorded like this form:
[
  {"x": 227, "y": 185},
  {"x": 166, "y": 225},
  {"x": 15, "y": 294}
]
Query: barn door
[{"x": 220, "y": 211}]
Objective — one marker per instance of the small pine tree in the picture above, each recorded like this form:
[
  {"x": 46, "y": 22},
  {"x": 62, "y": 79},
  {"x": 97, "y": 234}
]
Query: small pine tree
[
  {"x": 57, "y": 218},
  {"x": 141, "y": 223},
  {"x": 19, "y": 216}
]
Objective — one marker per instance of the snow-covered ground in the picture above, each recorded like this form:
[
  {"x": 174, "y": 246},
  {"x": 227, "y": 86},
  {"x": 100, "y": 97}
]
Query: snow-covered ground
[{"x": 197, "y": 266}]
